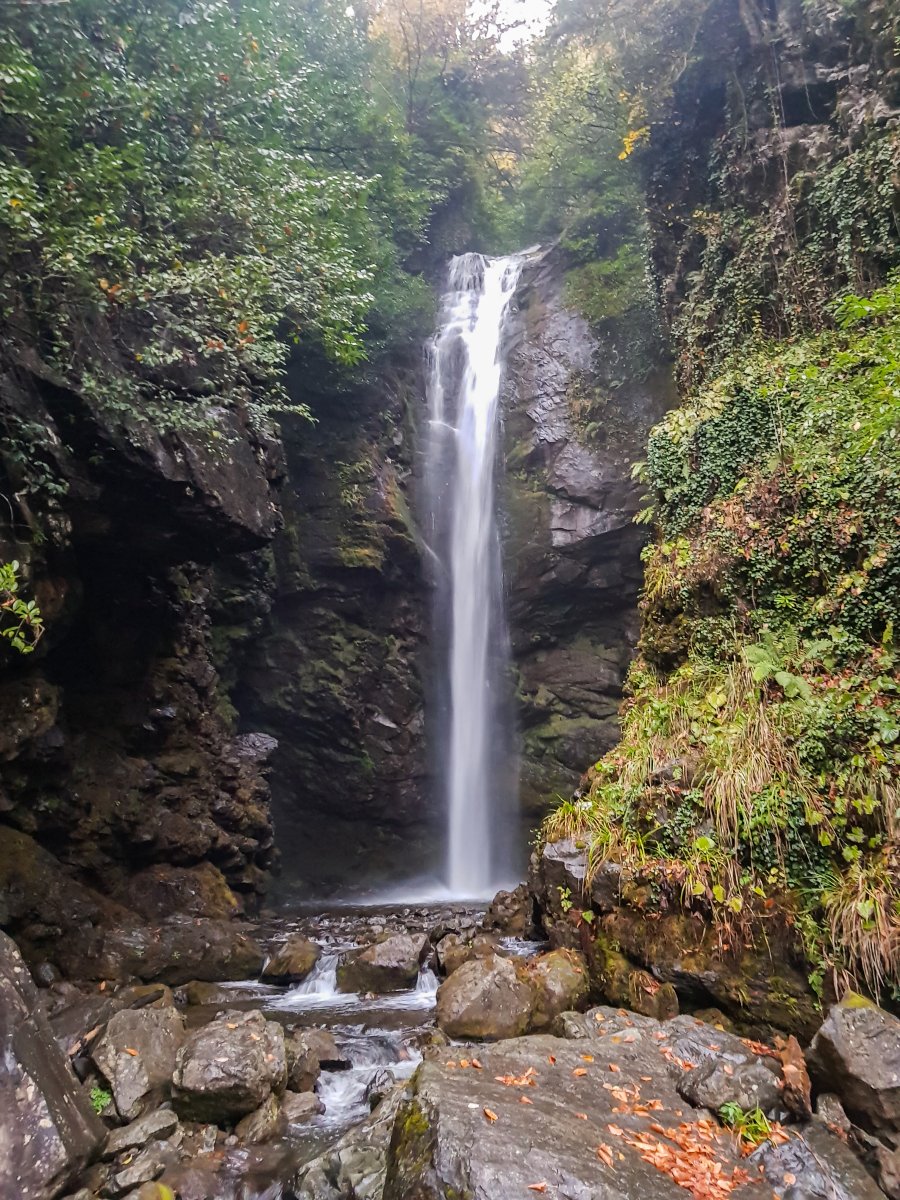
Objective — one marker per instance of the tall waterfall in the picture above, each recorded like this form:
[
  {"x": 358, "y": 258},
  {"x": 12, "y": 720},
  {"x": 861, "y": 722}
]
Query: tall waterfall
[{"x": 464, "y": 376}]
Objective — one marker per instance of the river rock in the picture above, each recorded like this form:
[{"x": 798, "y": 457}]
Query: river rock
[
  {"x": 391, "y": 965},
  {"x": 303, "y": 1064},
  {"x": 856, "y": 1054},
  {"x": 48, "y": 1130},
  {"x": 560, "y": 983},
  {"x": 177, "y": 951},
  {"x": 300, "y": 1106},
  {"x": 136, "y": 1056},
  {"x": 156, "y": 1126},
  {"x": 464, "y": 1132},
  {"x": 263, "y": 1124},
  {"x": 815, "y": 1165},
  {"x": 228, "y": 1068},
  {"x": 453, "y": 950},
  {"x": 293, "y": 961},
  {"x": 511, "y": 914},
  {"x": 485, "y": 998},
  {"x": 354, "y": 1167},
  {"x": 142, "y": 1169}
]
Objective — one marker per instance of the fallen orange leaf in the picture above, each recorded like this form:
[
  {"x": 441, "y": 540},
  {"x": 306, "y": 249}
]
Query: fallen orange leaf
[
  {"x": 605, "y": 1154},
  {"x": 537, "y": 1187},
  {"x": 580, "y": 1071},
  {"x": 133, "y": 1053},
  {"x": 491, "y": 1115}
]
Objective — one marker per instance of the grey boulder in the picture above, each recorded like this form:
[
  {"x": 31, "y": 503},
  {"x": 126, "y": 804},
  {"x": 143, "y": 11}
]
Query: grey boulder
[
  {"x": 229, "y": 1068},
  {"x": 485, "y": 999},
  {"x": 391, "y": 965},
  {"x": 856, "y": 1054},
  {"x": 136, "y": 1054}
]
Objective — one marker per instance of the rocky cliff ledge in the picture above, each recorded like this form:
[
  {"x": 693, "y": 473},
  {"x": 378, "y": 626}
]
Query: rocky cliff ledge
[
  {"x": 578, "y": 404},
  {"x": 119, "y": 754}
]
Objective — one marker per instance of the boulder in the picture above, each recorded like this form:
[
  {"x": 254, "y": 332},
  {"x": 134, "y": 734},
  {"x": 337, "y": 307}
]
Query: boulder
[
  {"x": 511, "y": 914},
  {"x": 321, "y": 1042},
  {"x": 300, "y": 1106},
  {"x": 815, "y": 1165},
  {"x": 136, "y": 1054},
  {"x": 560, "y": 983},
  {"x": 856, "y": 1054},
  {"x": 156, "y": 1126},
  {"x": 390, "y": 965},
  {"x": 48, "y": 1130},
  {"x": 714, "y": 1067},
  {"x": 263, "y": 1124},
  {"x": 623, "y": 983},
  {"x": 485, "y": 998},
  {"x": 302, "y": 1062},
  {"x": 176, "y": 952},
  {"x": 228, "y": 1068},
  {"x": 452, "y": 951},
  {"x": 140, "y": 1170},
  {"x": 466, "y": 1133},
  {"x": 292, "y": 961}
]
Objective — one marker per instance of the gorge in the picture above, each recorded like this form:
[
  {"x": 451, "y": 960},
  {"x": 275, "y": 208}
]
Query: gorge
[{"x": 352, "y": 554}]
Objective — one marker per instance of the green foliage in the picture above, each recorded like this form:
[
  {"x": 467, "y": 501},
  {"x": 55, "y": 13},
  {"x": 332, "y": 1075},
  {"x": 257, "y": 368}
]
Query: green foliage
[
  {"x": 751, "y": 1126},
  {"x": 100, "y": 1099},
  {"x": 21, "y": 622},
  {"x": 760, "y": 759}
]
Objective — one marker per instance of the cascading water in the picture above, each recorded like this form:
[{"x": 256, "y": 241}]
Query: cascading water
[{"x": 464, "y": 376}]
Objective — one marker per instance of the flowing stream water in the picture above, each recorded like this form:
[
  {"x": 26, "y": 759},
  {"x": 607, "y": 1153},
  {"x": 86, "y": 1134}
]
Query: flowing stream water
[{"x": 465, "y": 368}]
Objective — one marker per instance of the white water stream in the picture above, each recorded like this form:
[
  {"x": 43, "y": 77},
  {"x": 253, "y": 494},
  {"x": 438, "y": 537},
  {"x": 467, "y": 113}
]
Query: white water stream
[{"x": 464, "y": 376}]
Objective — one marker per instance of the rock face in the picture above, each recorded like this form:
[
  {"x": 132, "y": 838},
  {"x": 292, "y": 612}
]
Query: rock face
[
  {"x": 335, "y": 673},
  {"x": 391, "y": 965},
  {"x": 575, "y": 419},
  {"x": 118, "y": 731},
  {"x": 228, "y": 1068},
  {"x": 48, "y": 1130},
  {"x": 560, "y": 983}
]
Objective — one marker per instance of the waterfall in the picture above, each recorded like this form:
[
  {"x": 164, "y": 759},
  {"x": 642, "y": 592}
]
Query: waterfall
[{"x": 464, "y": 376}]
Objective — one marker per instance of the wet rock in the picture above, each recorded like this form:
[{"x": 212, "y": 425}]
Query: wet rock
[
  {"x": 161, "y": 890},
  {"x": 453, "y": 950},
  {"x": 511, "y": 914},
  {"x": 856, "y": 1054},
  {"x": 715, "y": 1068},
  {"x": 466, "y": 1132},
  {"x": 484, "y": 998},
  {"x": 156, "y": 1126},
  {"x": 830, "y": 1110},
  {"x": 354, "y": 1167},
  {"x": 321, "y": 1042},
  {"x": 178, "y": 951},
  {"x": 265, "y": 1123},
  {"x": 143, "y": 1168},
  {"x": 48, "y": 1130},
  {"x": 303, "y": 1062},
  {"x": 228, "y": 1068},
  {"x": 136, "y": 1056},
  {"x": 560, "y": 983},
  {"x": 391, "y": 965},
  {"x": 292, "y": 961},
  {"x": 815, "y": 1165},
  {"x": 378, "y": 1087},
  {"x": 300, "y": 1106}
]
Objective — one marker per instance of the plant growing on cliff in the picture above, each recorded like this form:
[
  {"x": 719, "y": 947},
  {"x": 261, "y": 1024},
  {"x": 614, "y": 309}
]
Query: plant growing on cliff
[
  {"x": 21, "y": 622},
  {"x": 758, "y": 775}
]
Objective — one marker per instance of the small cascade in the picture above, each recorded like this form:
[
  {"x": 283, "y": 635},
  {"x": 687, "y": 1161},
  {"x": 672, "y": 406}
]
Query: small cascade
[
  {"x": 322, "y": 980},
  {"x": 465, "y": 367}
]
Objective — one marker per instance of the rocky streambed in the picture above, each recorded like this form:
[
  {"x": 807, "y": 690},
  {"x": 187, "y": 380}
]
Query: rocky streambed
[{"x": 419, "y": 1053}]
